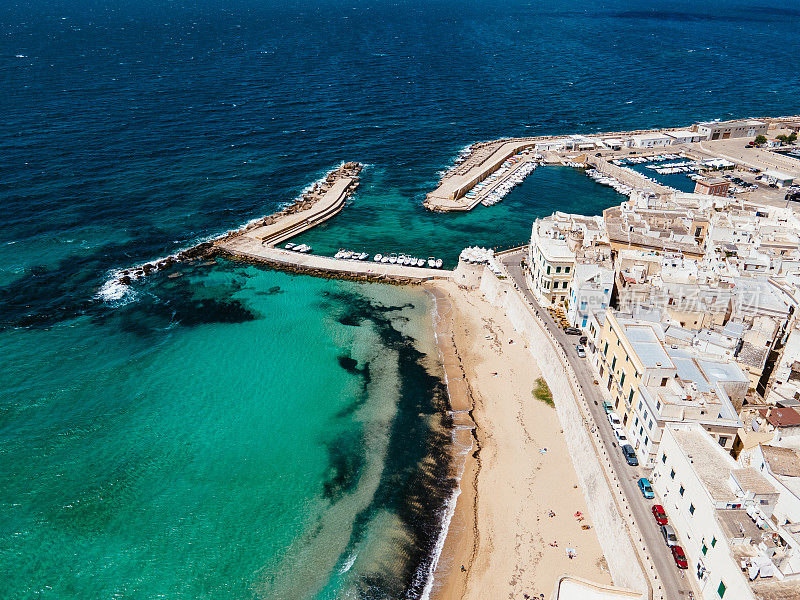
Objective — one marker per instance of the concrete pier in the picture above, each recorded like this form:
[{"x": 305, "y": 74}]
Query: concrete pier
[{"x": 251, "y": 249}]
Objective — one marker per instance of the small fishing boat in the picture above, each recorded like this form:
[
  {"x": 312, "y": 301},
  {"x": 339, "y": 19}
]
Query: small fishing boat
[
  {"x": 377, "y": 257},
  {"x": 289, "y": 246},
  {"x": 439, "y": 263},
  {"x": 431, "y": 262},
  {"x": 363, "y": 256}
]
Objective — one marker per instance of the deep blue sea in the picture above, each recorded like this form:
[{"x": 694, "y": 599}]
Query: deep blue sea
[{"x": 238, "y": 433}]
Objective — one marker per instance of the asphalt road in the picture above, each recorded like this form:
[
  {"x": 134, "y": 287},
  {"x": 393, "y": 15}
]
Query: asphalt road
[{"x": 676, "y": 583}]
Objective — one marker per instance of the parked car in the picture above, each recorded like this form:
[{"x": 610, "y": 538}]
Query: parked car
[
  {"x": 581, "y": 352},
  {"x": 670, "y": 539},
  {"x": 613, "y": 418},
  {"x": 630, "y": 455},
  {"x": 583, "y": 339},
  {"x": 646, "y": 488},
  {"x": 572, "y": 331},
  {"x": 680, "y": 557},
  {"x": 621, "y": 437},
  {"x": 607, "y": 406},
  {"x": 659, "y": 514}
]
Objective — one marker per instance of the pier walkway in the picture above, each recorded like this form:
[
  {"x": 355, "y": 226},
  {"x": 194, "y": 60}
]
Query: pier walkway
[
  {"x": 449, "y": 196},
  {"x": 291, "y": 225},
  {"x": 248, "y": 248}
]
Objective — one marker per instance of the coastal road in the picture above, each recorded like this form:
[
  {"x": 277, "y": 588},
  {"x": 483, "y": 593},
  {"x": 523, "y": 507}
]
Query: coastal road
[{"x": 676, "y": 584}]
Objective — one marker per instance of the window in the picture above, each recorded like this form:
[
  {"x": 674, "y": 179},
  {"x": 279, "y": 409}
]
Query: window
[
  {"x": 566, "y": 269},
  {"x": 713, "y": 542},
  {"x": 723, "y": 439},
  {"x": 691, "y": 509},
  {"x": 664, "y": 458},
  {"x": 605, "y": 349},
  {"x": 630, "y": 397},
  {"x": 622, "y": 380},
  {"x": 548, "y": 269},
  {"x": 640, "y": 405},
  {"x": 650, "y": 425},
  {"x": 672, "y": 474},
  {"x": 704, "y": 549},
  {"x": 558, "y": 269},
  {"x": 681, "y": 490},
  {"x": 664, "y": 382},
  {"x": 613, "y": 362},
  {"x": 721, "y": 589},
  {"x": 764, "y": 502},
  {"x": 658, "y": 405}
]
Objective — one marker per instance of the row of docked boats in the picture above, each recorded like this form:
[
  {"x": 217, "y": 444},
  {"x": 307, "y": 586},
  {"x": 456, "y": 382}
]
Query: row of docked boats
[
  {"x": 637, "y": 160},
  {"x": 393, "y": 259},
  {"x": 493, "y": 188},
  {"x": 601, "y": 178},
  {"x": 302, "y": 248}
]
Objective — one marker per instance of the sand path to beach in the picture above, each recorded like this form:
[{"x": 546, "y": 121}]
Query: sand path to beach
[{"x": 503, "y": 531}]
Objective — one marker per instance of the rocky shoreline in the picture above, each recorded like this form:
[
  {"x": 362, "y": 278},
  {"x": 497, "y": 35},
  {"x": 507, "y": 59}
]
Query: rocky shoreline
[{"x": 209, "y": 249}]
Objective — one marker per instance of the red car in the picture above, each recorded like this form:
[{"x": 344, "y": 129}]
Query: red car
[
  {"x": 680, "y": 557},
  {"x": 659, "y": 514}
]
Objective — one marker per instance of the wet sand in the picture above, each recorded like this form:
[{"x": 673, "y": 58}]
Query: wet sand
[{"x": 502, "y": 531}]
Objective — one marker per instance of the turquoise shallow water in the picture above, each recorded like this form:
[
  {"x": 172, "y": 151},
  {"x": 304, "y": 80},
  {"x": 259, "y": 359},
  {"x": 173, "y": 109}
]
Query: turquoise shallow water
[
  {"x": 241, "y": 456},
  {"x": 221, "y": 436}
]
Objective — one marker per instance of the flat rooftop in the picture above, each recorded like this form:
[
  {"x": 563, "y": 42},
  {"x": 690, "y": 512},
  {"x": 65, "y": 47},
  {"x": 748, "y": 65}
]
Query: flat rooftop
[
  {"x": 709, "y": 462},
  {"x": 648, "y": 347}
]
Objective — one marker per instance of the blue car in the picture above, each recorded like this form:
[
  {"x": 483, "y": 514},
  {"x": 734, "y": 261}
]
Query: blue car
[{"x": 646, "y": 488}]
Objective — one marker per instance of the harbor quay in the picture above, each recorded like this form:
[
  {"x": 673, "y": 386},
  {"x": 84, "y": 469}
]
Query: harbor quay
[{"x": 461, "y": 189}]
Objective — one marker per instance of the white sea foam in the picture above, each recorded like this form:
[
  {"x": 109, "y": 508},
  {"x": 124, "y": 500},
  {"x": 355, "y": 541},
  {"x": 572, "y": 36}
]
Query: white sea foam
[
  {"x": 348, "y": 563},
  {"x": 449, "y": 511}
]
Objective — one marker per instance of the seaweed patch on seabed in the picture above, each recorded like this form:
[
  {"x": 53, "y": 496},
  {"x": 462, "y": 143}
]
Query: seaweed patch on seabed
[
  {"x": 185, "y": 302},
  {"x": 417, "y": 479}
]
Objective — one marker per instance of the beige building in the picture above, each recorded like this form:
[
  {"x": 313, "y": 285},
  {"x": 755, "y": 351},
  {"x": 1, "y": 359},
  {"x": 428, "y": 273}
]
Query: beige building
[
  {"x": 723, "y": 130},
  {"x": 653, "y": 384}
]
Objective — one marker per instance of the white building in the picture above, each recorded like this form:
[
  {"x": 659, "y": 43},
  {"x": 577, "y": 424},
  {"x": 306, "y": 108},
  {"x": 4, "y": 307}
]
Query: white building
[
  {"x": 550, "y": 263},
  {"x": 721, "y": 513},
  {"x": 590, "y": 291},
  {"x": 685, "y": 137},
  {"x": 652, "y": 140}
]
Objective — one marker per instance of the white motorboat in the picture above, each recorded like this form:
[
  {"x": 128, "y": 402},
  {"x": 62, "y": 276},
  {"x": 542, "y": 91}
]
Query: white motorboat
[
  {"x": 377, "y": 257},
  {"x": 347, "y": 254},
  {"x": 439, "y": 263},
  {"x": 385, "y": 259},
  {"x": 289, "y": 246},
  {"x": 363, "y": 256},
  {"x": 339, "y": 254},
  {"x": 420, "y": 262},
  {"x": 431, "y": 262},
  {"x": 393, "y": 258}
]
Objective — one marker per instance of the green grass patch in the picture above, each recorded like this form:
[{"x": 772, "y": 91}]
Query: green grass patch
[{"x": 542, "y": 392}]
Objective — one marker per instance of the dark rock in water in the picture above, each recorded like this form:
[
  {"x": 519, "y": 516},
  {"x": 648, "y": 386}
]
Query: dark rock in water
[
  {"x": 148, "y": 268},
  {"x": 161, "y": 265},
  {"x": 125, "y": 280}
]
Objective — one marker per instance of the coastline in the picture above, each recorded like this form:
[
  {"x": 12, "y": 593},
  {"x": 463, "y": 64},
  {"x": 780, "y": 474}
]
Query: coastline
[{"x": 500, "y": 530}]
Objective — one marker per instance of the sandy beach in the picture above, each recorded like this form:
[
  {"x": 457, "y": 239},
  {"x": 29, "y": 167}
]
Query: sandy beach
[{"x": 516, "y": 515}]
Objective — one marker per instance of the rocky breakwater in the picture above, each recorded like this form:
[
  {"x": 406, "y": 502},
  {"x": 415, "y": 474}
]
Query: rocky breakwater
[{"x": 117, "y": 285}]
